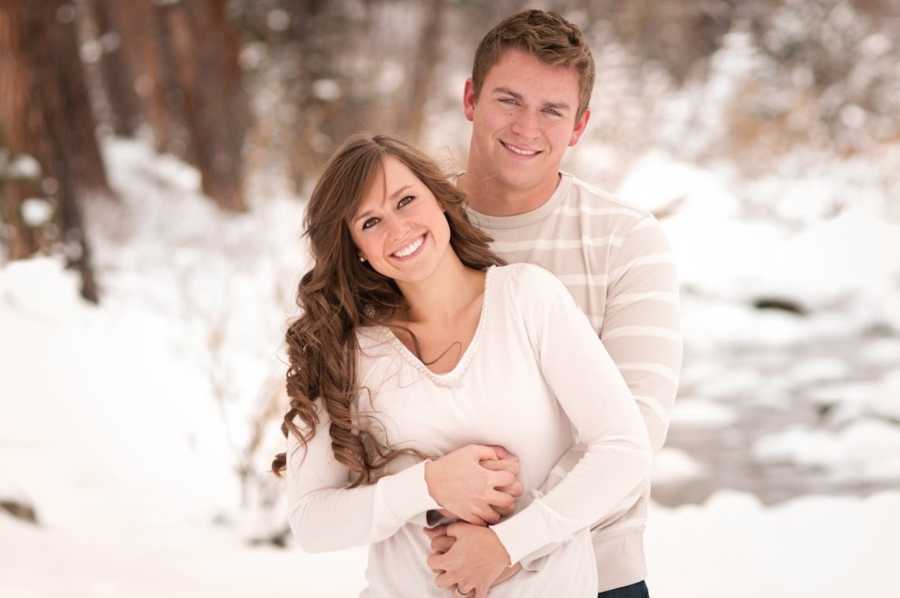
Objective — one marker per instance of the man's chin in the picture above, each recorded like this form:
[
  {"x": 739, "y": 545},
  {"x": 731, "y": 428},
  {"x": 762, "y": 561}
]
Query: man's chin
[{"x": 519, "y": 179}]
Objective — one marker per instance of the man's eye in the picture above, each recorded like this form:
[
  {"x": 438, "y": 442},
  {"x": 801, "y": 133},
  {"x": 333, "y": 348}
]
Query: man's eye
[
  {"x": 369, "y": 223},
  {"x": 553, "y": 112},
  {"x": 509, "y": 101},
  {"x": 406, "y": 200}
]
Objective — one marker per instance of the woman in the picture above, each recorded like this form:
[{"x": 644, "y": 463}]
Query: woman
[{"x": 415, "y": 350}]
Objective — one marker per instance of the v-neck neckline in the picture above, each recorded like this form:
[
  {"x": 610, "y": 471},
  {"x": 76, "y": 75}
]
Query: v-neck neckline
[{"x": 454, "y": 375}]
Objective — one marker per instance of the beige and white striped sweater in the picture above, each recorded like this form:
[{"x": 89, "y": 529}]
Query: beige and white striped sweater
[{"x": 618, "y": 265}]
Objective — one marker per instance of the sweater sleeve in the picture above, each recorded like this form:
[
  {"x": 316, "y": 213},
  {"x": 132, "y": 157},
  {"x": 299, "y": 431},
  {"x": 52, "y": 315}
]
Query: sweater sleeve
[
  {"x": 325, "y": 515},
  {"x": 641, "y": 327},
  {"x": 606, "y": 419}
]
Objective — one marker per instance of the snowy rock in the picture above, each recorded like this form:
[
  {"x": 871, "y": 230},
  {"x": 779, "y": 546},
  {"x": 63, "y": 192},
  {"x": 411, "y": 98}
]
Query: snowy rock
[
  {"x": 674, "y": 466},
  {"x": 712, "y": 323},
  {"x": 833, "y": 394},
  {"x": 866, "y": 450},
  {"x": 881, "y": 352},
  {"x": 800, "y": 446},
  {"x": 732, "y": 384},
  {"x": 700, "y": 413},
  {"x": 818, "y": 369},
  {"x": 872, "y": 451},
  {"x": 885, "y": 401}
]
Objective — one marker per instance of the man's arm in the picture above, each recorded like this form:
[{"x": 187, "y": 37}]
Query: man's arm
[{"x": 641, "y": 328}]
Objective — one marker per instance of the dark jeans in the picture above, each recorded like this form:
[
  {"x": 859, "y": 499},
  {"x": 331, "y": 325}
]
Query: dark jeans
[{"x": 635, "y": 590}]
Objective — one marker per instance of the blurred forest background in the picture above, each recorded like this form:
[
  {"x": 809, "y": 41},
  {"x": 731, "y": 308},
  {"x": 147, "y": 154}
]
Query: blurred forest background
[
  {"x": 162, "y": 149},
  {"x": 248, "y": 90}
]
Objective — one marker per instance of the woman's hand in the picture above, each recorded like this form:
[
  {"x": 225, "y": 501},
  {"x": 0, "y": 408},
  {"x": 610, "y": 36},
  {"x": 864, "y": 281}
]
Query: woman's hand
[
  {"x": 475, "y": 561},
  {"x": 476, "y": 483}
]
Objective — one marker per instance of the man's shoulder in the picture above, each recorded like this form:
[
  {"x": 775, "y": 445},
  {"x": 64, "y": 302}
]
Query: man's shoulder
[
  {"x": 604, "y": 211},
  {"x": 596, "y": 200}
]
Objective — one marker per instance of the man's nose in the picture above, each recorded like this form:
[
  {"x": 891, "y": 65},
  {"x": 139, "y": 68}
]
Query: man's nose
[{"x": 525, "y": 124}]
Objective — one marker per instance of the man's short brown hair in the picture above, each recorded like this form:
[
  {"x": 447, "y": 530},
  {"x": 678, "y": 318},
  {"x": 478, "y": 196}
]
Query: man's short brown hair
[{"x": 546, "y": 36}]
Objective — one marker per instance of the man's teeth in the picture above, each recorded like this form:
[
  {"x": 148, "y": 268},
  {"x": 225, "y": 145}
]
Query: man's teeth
[
  {"x": 521, "y": 152},
  {"x": 409, "y": 249}
]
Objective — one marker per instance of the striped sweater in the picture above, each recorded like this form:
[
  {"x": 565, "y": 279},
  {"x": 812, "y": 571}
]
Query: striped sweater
[{"x": 616, "y": 262}]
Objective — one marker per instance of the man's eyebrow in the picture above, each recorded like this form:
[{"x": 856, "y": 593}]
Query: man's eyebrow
[
  {"x": 557, "y": 105},
  {"x": 392, "y": 195},
  {"x": 507, "y": 91},
  {"x": 518, "y": 96}
]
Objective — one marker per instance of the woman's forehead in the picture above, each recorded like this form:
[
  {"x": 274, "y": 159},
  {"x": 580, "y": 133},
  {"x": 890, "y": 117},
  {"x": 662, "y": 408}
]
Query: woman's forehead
[{"x": 388, "y": 177}]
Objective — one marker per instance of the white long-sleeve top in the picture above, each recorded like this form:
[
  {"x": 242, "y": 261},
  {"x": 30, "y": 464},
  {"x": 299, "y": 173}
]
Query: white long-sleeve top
[
  {"x": 618, "y": 265},
  {"x": 522, "y": 383}
]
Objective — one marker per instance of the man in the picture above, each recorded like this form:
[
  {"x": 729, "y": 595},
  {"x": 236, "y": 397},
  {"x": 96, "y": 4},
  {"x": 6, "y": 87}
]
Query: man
[{"x": 528, "y": 102}]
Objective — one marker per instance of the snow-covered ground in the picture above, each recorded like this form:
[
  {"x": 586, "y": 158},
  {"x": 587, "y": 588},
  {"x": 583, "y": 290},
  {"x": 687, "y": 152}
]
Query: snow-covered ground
[{"x": 133, "y": 428}]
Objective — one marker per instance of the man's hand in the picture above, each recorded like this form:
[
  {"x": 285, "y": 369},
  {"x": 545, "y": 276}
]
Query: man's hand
[
  {"x": 474, "y": 561},
  {"x": 465, "y": 487},
  {"x": 441, "y": 543}
]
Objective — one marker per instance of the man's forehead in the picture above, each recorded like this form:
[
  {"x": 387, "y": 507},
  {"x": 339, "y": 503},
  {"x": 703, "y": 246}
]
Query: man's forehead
[{"x": 523, "y": 74}]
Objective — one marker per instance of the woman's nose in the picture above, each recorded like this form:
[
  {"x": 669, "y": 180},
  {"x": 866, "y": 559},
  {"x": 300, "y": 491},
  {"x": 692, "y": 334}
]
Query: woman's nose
[{"x": 398, "y": 228}]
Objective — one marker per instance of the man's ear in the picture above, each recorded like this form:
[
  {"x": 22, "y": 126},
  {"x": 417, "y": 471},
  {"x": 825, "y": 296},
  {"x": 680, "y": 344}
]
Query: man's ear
[
  {"x": 580, "y": 126},
  {"x": 469, "y": 101}
]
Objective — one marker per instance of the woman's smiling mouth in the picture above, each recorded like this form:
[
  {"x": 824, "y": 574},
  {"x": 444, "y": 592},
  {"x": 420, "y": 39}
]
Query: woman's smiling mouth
[{"x": 410, "y": 249}]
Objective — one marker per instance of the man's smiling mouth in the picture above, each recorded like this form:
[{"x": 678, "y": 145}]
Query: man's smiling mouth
[{"x": 519, "y": 150}]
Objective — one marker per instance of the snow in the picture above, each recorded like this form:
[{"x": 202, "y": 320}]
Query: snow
[
  {"x": 131, "y": 420},
  {"x": 36, "y": 211},
  {"x": 814, "y": 547},
  {"x": 22, "y": 167}
]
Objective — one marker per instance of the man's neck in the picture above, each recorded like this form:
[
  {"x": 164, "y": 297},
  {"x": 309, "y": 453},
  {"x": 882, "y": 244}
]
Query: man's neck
[{"x": 488, "y": 196}]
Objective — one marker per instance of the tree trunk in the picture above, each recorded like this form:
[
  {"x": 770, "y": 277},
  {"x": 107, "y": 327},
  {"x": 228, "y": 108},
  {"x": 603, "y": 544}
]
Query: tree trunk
[
  {"x": 200, "y": 49},
  {"x": 115, "y": 66},
  {"x": 46, "y": 114},
  {"x": 426, "y": 60}
]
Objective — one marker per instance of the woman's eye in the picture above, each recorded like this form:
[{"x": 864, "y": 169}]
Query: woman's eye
[
  {"x": 405, "y": 200},
  {"x": 369, "y": 223}
]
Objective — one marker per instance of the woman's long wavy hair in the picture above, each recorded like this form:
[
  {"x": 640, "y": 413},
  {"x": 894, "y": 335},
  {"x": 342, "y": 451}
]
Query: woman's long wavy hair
[{"x": 340, "y": 293}]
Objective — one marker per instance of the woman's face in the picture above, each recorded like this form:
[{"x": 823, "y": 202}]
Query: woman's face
[{"x": 399, "y": 227}]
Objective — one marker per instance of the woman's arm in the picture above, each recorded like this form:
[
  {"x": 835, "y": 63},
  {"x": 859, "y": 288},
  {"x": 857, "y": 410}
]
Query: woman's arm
[{"x": 325, "y": 515}]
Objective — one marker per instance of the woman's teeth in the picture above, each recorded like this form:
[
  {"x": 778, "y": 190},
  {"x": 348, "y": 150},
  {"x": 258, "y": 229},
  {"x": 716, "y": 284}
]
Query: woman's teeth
[{"x": 411, "y": 248}]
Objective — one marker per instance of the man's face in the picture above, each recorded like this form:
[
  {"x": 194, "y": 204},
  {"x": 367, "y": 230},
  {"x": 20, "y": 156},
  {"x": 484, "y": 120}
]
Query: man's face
[{"x": 523, "y": 120}]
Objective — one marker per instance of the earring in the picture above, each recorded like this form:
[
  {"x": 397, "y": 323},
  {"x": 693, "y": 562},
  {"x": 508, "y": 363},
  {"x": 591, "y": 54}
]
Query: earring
[{"x": 361, "y": 258}]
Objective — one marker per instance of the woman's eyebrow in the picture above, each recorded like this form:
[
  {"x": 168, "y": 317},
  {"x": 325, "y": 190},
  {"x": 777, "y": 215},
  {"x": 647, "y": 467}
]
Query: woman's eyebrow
[{"x": 392, "y": 195}]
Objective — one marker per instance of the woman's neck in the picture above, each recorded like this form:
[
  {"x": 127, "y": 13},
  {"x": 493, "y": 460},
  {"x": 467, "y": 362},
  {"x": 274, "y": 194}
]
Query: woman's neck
[{"x": 443, "y": 295}]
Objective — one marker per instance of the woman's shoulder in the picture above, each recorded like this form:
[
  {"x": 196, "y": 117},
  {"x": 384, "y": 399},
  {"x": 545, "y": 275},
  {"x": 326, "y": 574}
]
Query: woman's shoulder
[{"x": 530, "y": 279}]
